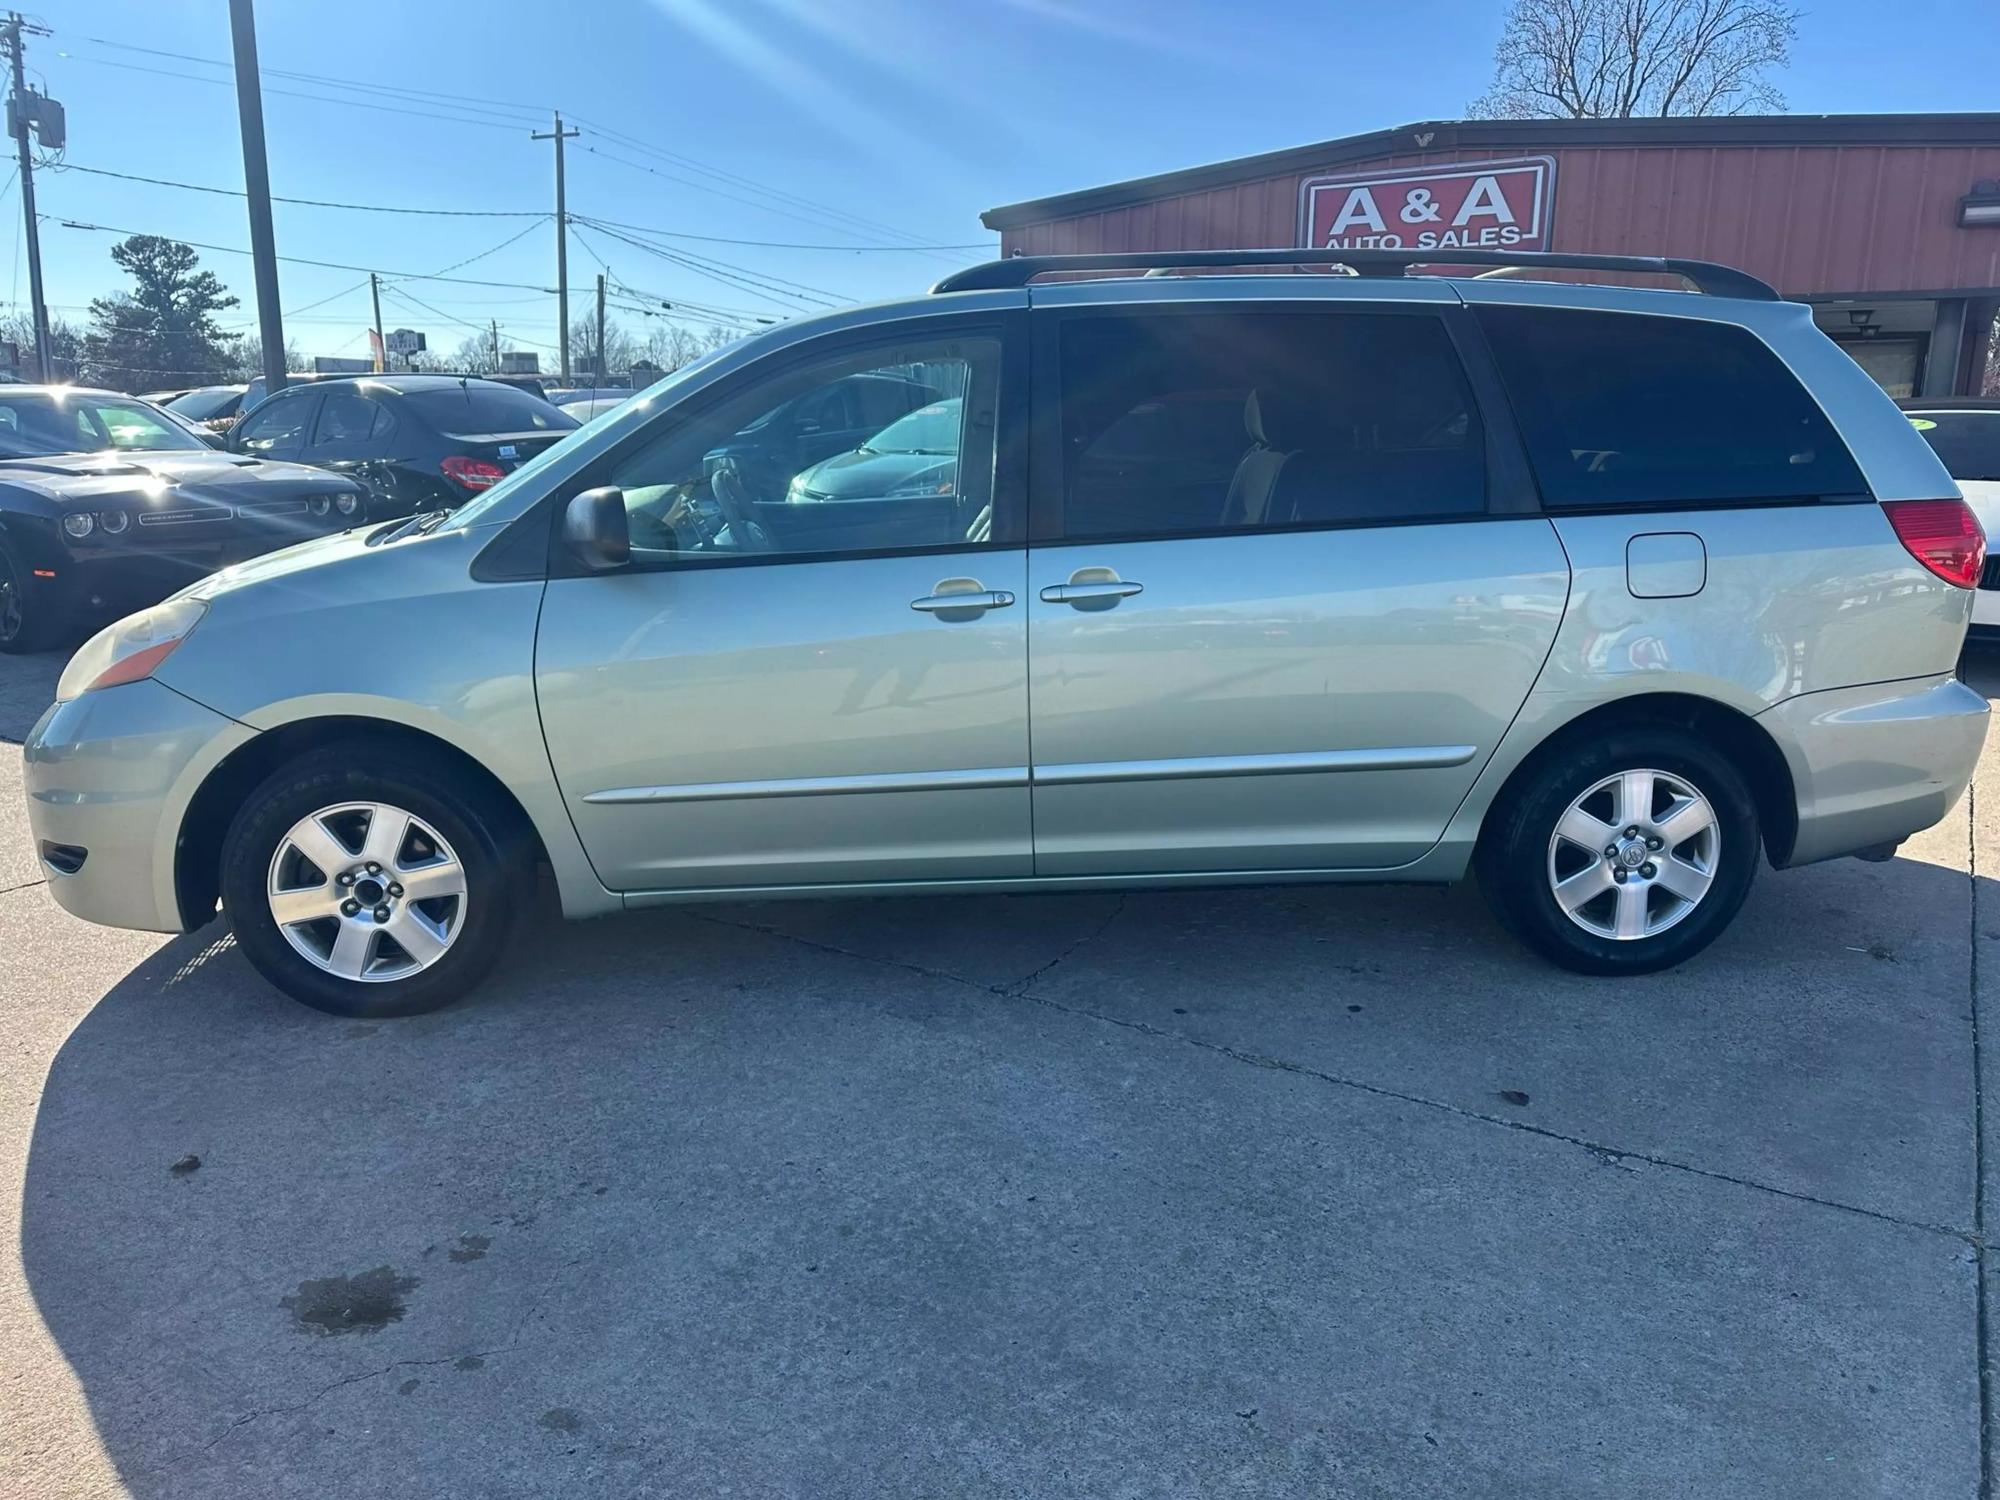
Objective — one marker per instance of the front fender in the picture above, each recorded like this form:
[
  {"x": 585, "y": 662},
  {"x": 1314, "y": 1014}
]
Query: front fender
[{"x": 402, "y": 635}]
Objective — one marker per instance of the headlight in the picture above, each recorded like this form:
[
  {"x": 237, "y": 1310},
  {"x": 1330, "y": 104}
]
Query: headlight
[
  {"x": 115, "y": 522},
  {"x": 317, "y": 505},
  {"x": 347, "y": 504},
  {"x": 130, "y": 649},
  {"x": 79, "y": 524}
]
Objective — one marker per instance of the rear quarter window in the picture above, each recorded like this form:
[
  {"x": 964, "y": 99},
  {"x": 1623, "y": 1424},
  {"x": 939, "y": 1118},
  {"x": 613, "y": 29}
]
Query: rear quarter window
[
  {"x": 476, "y": 409},
  {"x": 1625, "y": 409}
]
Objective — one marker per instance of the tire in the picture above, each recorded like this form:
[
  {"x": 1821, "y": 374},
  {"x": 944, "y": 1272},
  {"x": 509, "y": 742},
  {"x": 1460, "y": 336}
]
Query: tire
[
  {"x": 341, "y": 805},
  {"x": 29, "y": 619},
  {"x": 1612, "y": 916}
]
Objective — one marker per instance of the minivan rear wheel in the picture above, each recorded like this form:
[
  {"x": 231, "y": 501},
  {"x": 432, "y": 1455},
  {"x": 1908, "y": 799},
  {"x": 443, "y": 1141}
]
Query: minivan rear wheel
[
  {"x": 362, "y": 882},
  {"x": 1622, "y": 855}
]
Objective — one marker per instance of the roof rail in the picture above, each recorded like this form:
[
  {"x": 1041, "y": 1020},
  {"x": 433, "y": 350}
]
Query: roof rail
[{"x": 1704, "y": 276}]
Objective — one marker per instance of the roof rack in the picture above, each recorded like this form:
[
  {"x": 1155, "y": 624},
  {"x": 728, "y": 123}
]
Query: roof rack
[{"x": 1704, "y": 276}]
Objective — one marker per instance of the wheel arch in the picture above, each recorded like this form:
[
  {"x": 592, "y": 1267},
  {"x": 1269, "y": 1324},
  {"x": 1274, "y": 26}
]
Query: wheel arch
[
  {"x": 198, "y": 849},
  {"x": 1748, "y": 744}
]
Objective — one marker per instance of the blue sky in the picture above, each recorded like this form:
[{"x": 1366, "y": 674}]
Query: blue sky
[{"x": 820, "y": 122}]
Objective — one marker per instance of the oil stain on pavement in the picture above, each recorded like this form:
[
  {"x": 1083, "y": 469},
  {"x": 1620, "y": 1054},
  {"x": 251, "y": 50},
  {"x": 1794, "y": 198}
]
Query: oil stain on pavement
[{"x": 366, "y": 1303}]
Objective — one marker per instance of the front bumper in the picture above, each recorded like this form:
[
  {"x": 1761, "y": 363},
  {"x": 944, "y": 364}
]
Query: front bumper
[
  {"x": 1873, "y": 765},
  {"x": 131, "y": 574},
  {"x": 112, "y": 773}
]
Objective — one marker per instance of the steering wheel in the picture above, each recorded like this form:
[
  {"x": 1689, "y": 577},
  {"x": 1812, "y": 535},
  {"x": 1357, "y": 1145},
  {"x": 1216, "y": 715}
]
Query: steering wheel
[{"x": 733, "y": 500}]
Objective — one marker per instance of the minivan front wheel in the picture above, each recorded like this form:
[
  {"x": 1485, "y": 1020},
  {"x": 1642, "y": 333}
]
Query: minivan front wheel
[
  {"x": 361, "y": 882},
  {"x": 1625, "y": 855}
]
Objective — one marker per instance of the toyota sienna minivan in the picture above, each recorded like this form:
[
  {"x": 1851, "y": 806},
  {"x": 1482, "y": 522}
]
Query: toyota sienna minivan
[{"x": 1299, "y": 573}]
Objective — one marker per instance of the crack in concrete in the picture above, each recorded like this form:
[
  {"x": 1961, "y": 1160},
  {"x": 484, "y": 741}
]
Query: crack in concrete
[
  {"x": 1020, "y": 986},
  {"x": 26, "y": 885},
  {"x": 1610, "y": 1155}
]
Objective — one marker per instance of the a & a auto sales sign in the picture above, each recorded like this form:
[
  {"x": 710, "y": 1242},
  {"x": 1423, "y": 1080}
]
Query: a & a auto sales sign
[{"x": 1488, "y": 205}]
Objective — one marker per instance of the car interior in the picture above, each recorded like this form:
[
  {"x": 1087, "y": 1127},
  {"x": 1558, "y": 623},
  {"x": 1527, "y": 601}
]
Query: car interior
[{"x": 722, "y": 485}]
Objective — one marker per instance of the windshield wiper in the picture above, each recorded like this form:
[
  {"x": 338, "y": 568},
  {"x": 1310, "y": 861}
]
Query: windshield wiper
[{"x": 421, "y": 524}]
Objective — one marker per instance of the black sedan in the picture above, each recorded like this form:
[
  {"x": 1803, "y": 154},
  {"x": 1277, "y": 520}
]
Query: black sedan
[
  {"x": 107, "y": 504},
  {"x": 213, "y": 406},
  {"x": 415, "y": 442}
]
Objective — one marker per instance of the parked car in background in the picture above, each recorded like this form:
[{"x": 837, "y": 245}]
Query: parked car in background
[
  {"x": 255, "y": 392},
  {"x": 835, "y": 418},
  {"x": 532, "y": 385},
  {"x": 108, "y": 503},
  {"x": 414, "y": 442},
  {"x": 1964, "y": 431},
  {"x": 596, "y": 406},
  {"x": 214, "y": 406},
  {"x": 1612, "y": 594},
  {"x": 570, "y": 395},
  {"x": 914, "y": 457},
  {"x": 161, "y": 398}
]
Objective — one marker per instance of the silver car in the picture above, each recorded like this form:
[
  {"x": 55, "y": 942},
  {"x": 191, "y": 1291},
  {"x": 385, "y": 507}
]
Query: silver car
[{"x": 1610, "y": 593}]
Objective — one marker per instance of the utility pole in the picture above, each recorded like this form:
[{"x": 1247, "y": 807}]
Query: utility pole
[
  {"x": 496, "y": 345},
  {"x": 603, "y": 368},
  {"x": 18, "y": 113},
  {"x": 558, "y": 135},
  {"x": 381, "y": 344},
  {"x": 257, "y": 187}
]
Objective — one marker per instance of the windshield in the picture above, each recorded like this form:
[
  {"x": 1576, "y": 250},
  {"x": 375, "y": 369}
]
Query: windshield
[
  {"x": 476, "y": 407},
  {"x": 929, "y": 429},
  {"x": 1967, "y": 441},
  {"x": 43, "y": 423},
  {"x": 199, "y": 406}
]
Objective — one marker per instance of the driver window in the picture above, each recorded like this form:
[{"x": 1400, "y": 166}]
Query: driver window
[{"x": 885, "y": 449}]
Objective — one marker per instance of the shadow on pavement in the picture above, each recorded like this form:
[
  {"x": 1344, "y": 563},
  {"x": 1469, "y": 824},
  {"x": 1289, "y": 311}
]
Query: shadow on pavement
[
  {"x": 27, "y": 688},
  {"x": 1191, "y": 1193}
]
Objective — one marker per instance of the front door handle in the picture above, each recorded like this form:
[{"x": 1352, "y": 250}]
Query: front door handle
[
  {"x": 1092, "y": 588},
  {"x": 961, "y": 599}
]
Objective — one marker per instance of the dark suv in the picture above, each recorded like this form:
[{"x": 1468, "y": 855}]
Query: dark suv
[{"x": 414, "y": 442}]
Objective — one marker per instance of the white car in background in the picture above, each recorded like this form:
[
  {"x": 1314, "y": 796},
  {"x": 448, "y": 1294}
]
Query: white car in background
[{"x": 1965, "y": 432}]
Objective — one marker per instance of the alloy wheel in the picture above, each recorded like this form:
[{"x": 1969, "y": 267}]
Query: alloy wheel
[
  {"x": 1634, "y": 854},
  {"x": 367, "y": 891}
]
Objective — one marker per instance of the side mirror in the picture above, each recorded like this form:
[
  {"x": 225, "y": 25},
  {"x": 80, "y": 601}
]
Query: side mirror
[{"x": 595, "y": 530}]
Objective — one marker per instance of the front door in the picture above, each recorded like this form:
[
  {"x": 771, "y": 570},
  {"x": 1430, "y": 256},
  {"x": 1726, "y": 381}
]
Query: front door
[
  {"x": 810, "y": 677},
  {"x": 1281, "y": 628}
]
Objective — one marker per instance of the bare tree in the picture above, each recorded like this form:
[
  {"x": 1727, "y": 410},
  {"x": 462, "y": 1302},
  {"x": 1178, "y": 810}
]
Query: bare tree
[
  {"x": 671, "y": 345},
  {"x": 1612, "y": 59}
]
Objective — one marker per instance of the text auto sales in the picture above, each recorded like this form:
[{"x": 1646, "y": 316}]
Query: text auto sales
[{"x": 1482, "y": 221}]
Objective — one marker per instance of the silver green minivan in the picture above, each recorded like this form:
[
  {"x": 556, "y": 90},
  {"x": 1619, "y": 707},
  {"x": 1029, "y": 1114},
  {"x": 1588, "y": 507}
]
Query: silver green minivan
[{"x": 1146, "y": 578}]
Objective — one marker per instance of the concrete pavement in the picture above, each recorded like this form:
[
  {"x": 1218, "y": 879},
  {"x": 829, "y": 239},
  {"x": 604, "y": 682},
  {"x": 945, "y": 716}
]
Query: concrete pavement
[{"x": 1203, "y": 1193}]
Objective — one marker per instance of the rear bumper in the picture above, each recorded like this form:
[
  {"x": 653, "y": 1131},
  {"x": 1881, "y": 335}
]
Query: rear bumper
[
  {"x": 111, "y": 774},
  {"x": 1873, "y": 765}
]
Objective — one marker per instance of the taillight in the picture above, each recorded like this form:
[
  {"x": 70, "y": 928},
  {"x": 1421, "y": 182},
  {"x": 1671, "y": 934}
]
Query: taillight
[
  {"x": 1943, "y": 535},
  {"x": 473, "y": 473}
]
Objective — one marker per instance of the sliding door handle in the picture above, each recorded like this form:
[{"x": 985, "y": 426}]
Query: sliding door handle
[
  {"x": 1091, "y": 597},
  {"x": 961, "y": 599}
]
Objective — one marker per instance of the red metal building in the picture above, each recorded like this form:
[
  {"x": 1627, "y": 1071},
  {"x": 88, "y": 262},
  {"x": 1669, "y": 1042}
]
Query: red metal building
[{"x": 1888, "y": 224}]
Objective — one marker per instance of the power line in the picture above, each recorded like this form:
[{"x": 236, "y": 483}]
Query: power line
[
  {"x": 520, "y": 115},
  {"x": 486, "y": 105},
  {"x": 372, "y": 105},
  {"x": 480, "y": 328},
  {"x": 718, "y": 271},
  {"x": 492, "y": 250},
  {"x": 366, "y": 208},
  {"x": 330, "y": 265},
  {"x": 716, "y": 239},
  {"x": 874, "y": 227}
]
